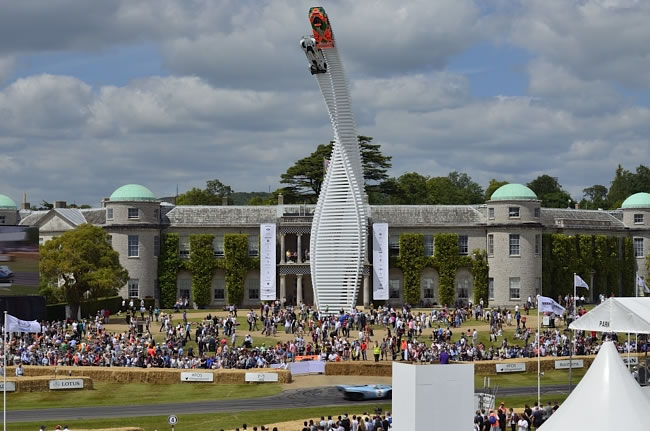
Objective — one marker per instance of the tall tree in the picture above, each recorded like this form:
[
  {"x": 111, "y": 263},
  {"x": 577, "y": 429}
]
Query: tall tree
[
  {"x": 83, "y": 264},
  {"x": 550, "y": 192},
  {"x": 622, "y": 187},
  {"x": 218, "y": 188},
  {"x": 492, "y": 187},
  {"x": 305, "y": 178},
  {"x": 594, "y": 197},
  {"x": 412, "y": 189},
  {"x": 467, "y": 190}
]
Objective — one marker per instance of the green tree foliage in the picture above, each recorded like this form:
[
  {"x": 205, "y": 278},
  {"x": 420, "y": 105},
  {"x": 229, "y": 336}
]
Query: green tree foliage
[
  {"x": 237, "y": 263},
  {"x": 626, "y": 183},
  {"x": 446, "y": 259},
  {"x": 213, "y": 194},
  {"x": 202, "y": 264},
  {"x": 480, "y": 273},
  {"x": 305, "y": 177},
  {"x": 197, "y": 196},
  {"x": 85, "y": 253},
  {"x": 492, "y": 187},
  {"x": 594, "y": 197},
  {"x": 550, "y": 192},
  {"x": 454, "y": 189}
]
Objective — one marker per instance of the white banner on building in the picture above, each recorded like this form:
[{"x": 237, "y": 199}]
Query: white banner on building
[
  {"x": 267, "y": 262},
  {"x": 565, "y": 364},
  {"x": 513, "y": 367},
  {"x": 197, "y": 377},
  {"x": 380, "y": 261}
]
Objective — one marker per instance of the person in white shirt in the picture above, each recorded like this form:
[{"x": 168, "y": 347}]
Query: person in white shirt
[{"x": 522, "y": 425}]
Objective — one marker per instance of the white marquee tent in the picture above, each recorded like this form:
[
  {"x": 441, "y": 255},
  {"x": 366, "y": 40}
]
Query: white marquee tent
[
  {"x": 630, "y": 315},
  {"x": 607, "y": 398}
]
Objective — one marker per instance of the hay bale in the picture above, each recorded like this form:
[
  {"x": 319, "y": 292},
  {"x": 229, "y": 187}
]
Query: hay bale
[{"x": 41, "y": 383}]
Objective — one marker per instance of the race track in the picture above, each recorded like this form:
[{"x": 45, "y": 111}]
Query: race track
[{"x": 293, "y": 398}]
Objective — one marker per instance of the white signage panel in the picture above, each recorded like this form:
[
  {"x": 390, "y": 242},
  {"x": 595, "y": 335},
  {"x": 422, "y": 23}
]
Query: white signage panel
[
  {"x": 511, "y": 367},
  {"x": 380, "y": 261},
  {"x": 261, "y": 377},
  {"x": 11, "y": 387},
  {"x": 66, "y": 384},
  {"x": 197, "y": 377},
  {"x": 565, "y": 364},
  {"x": 633, "y": 360},
  {"x": 267, "y": 262}
]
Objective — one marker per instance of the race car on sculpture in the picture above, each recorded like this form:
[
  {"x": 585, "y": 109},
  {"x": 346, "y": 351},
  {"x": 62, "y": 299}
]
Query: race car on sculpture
[
  {"x": 365, "y": 392},
  {"x": 315, "y": 57},
  {"x": 6, "y": 274},
  {"x": 321, "y": 28}
]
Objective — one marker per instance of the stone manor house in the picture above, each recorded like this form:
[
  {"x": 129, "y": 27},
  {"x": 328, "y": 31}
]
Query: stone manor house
[{"x": 509, "y": 228}]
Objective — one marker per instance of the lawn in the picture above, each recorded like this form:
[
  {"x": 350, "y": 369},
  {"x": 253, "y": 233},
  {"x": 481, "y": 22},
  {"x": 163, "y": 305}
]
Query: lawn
[
  {"x": 550, "y": 378},
  {"x": 204, "y": 422},
  {"x": 114, "y": 394}
]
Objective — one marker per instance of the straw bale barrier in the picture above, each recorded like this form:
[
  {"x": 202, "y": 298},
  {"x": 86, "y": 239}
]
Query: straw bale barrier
[
  {"x": 113, "y": 429},
  {"x": 41, "y": 383},
  {"x": 384, "y": 368},
  {"x": 146, "y": 375}
]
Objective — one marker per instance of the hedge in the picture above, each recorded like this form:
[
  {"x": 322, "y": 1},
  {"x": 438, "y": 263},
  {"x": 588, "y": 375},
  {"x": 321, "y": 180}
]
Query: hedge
[{"x": 91, "y": 307}]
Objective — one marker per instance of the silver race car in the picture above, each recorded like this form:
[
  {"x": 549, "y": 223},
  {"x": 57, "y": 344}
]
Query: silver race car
[{"x": 315, "y": 56}]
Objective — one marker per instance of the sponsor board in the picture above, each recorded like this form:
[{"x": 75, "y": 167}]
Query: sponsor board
[
  {"x": 565, "y": 364},
  {"x": 633, "y": 360},
  {"x": 261, "y": 377},
  {"x": 66, "y": 384},
  {"x": 511, "y": 368},
  {"x": 11, "y": 387},
  {"x": 197, "y": 377}
]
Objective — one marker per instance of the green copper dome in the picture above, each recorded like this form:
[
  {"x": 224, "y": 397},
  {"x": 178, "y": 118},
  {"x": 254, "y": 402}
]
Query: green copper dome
[
  {"x": 513, "y": 192},
  {"x": 133, "y": 192},
  {"x": 6, "y": 203},
  {"x": 637, "y": 200}
]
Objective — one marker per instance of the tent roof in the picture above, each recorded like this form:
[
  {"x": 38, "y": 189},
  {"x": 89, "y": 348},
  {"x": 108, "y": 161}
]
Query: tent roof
[
  {"x": 617, "y": 315},
  {"x": 606, "y": 398}
]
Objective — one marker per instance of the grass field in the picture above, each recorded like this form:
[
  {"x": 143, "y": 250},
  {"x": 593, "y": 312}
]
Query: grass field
[
  {"x": 203, "y": 422},
  {"x": 113, "y": 394}
]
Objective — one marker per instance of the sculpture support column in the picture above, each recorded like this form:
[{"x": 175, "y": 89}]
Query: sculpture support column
[
  {"x": 299, "y": 251},
  {"x": 282, "y": 248},
  {"x": 299, "y": 288},
  {"x": 283, "y": 289},
  {"x": 366, "y": 290}
]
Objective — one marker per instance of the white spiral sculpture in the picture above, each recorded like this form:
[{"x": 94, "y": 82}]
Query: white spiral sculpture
[{"x": 339, "y": 227}]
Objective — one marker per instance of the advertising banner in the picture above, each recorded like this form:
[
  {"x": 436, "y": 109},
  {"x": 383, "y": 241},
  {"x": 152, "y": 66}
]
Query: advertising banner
[
  {"x": 267, "y": 262},
  {"x": 511, "y": 368},
  {"x": 66, "y": 384},
  {"x": 11, "y": 387},
  {"x": 197, "y": 377},
  {"x": 261, "y": 377},
  {"x": 380, "y": 261},
  {"x": 566, "y": 364}
]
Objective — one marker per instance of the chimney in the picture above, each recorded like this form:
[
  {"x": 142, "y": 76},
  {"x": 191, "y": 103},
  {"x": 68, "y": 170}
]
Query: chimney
[
  {"x": 59, "y": 204},
  {"x": 25, "y": 205},
  {"x": 224, "y": 201},
  {"x": 105, "y": 201},
  {"x": 577, "y": 205},
  {"x": 280, "y": 199}
]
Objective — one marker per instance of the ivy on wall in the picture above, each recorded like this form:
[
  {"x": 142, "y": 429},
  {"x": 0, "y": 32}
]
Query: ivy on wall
[
  {"x": 237, "y": 263},
  {"x": 609, "y": 259},
  {"x": 202, "y": 265},
  {"x": 411, "y": 261},
  {"x": 446, "y": 261},
  {"x": 168, "y": 265}
]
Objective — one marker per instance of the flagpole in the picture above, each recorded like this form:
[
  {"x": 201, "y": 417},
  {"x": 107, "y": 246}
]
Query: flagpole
[
  {"x": 539, "y": 397},
  {"x": 4, "y": 373}
]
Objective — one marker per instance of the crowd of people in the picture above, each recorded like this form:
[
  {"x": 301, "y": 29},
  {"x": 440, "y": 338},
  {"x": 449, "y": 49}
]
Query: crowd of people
[
  {"x": 425, "y": 337},
  {"x": 503, "y": 418}
]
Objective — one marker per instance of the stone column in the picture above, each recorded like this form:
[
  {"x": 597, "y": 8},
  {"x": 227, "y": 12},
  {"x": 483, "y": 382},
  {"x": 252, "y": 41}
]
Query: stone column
[
  {"x": 298, "y": 288},
  {"x": 283, "y": 289},
  {"x": 299, "y": 251},
  {"x": 366, "y": 290},
  {"x": 282, "y": 248}
]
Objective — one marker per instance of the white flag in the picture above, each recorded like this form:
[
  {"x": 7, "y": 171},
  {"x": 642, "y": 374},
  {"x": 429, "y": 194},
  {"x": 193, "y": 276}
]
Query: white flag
[
  {"x": 14, "y": 324},
  {"x": 548, "y": 305},
  {"x": 640, "y": 282},
  {"x": 579, "y": 282}
]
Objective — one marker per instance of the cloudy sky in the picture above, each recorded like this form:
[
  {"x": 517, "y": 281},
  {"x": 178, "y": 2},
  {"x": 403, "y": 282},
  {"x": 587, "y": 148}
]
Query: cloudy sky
[{"x": 97, "y": 94}]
